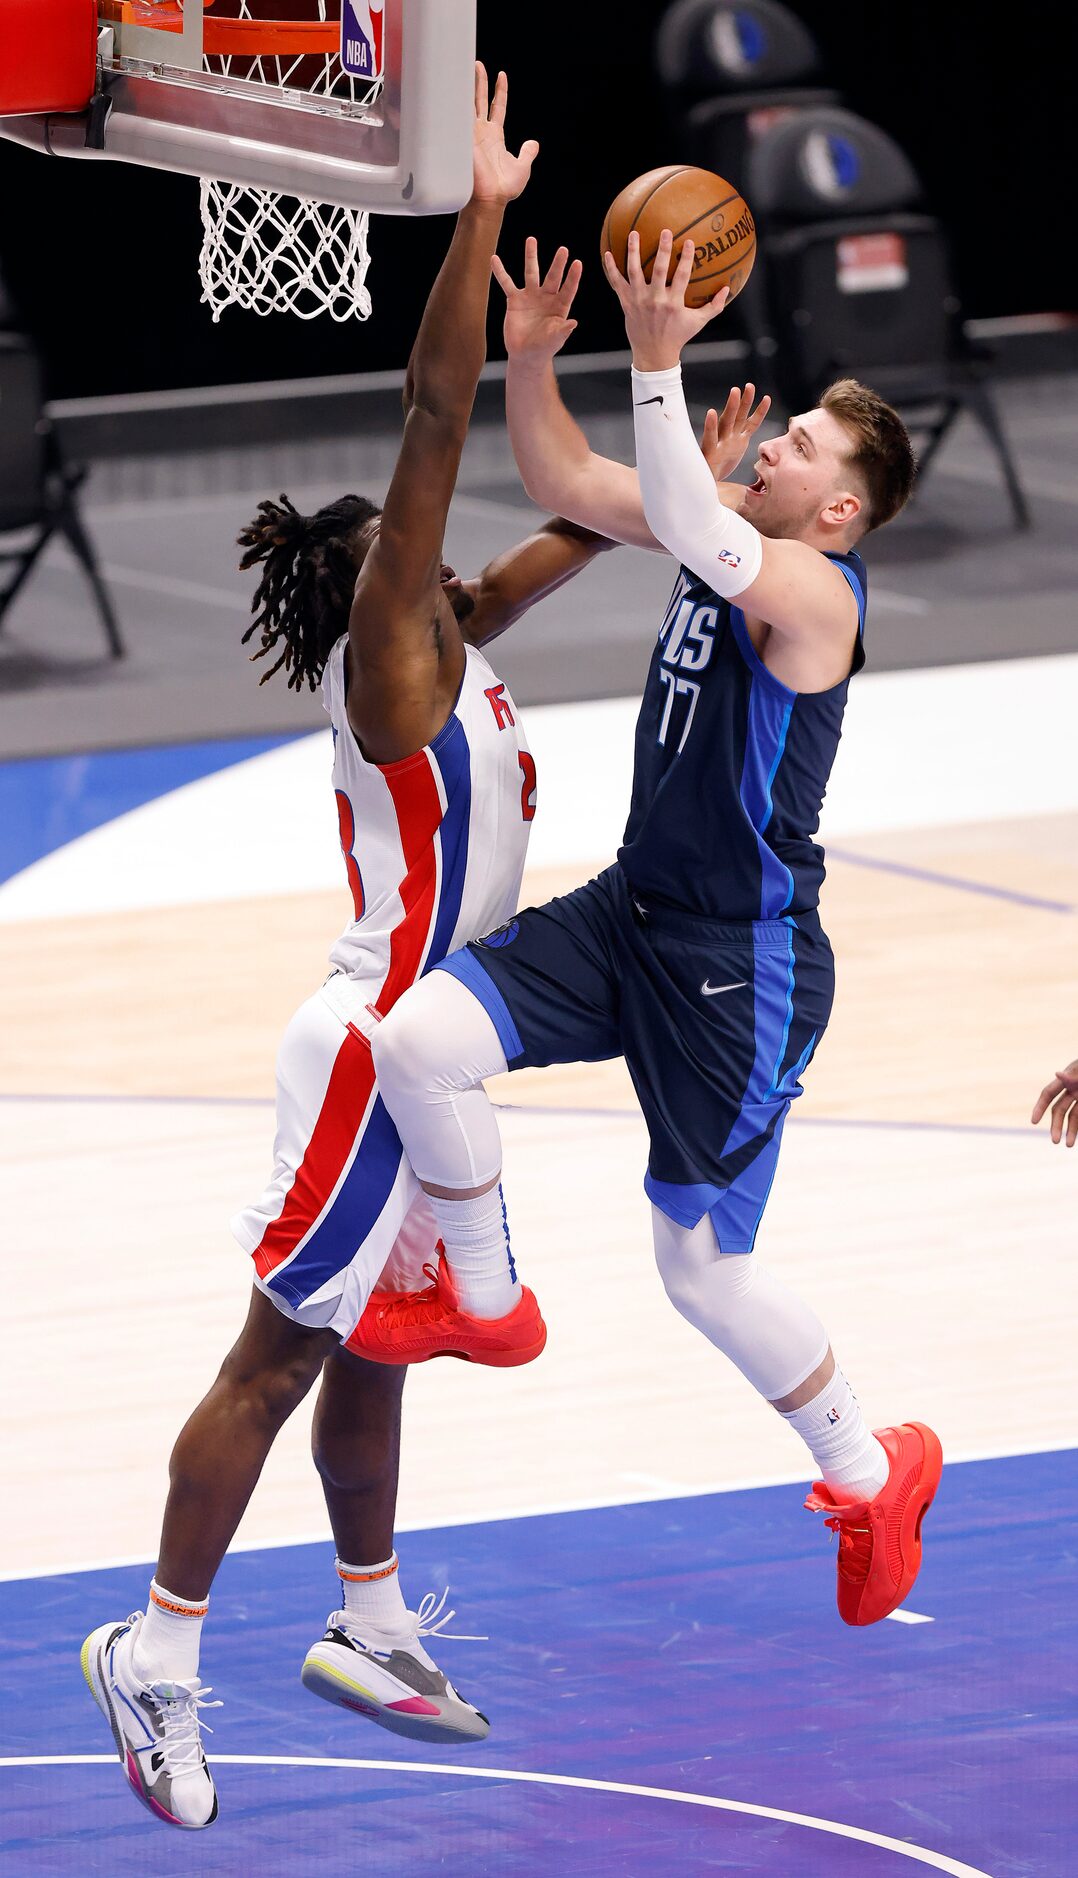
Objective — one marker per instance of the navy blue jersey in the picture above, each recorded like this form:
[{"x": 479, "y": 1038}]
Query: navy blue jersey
[{"x": 731, "y": 766}]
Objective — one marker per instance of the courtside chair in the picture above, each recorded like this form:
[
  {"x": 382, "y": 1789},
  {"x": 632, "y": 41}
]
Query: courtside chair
[
  {"x": 733, "y": 69},
  {"x": 37, "y": 488},
  {"x": 859, "y": 282}
]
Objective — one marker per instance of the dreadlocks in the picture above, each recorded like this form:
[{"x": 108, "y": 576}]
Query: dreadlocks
[{"x": 305, "y": 593}]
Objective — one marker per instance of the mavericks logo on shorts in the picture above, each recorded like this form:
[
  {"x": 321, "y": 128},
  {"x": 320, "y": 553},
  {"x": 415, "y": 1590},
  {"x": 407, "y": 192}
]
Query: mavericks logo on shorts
[{"x": 502, "y": 935}]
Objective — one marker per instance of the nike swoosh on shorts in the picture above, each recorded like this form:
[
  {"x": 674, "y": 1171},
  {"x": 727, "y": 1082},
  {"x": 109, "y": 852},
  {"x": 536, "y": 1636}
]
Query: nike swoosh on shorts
[{"x": 712, "y": 991}]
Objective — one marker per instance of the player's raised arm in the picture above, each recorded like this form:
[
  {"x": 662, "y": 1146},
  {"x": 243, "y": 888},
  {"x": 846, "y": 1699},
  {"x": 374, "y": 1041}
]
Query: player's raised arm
[
  {"x": 515, "y": 579},
  {"x": 406, "y": 655},
  {"x": 557, "y": 465},
  {"x": 787, "y": 583}
]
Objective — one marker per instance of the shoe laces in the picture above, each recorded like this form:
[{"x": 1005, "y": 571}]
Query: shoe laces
[
  {"x": 413, "y": 1307},
  {"x": 854, "y": 1547},
  {"x": 182, "y": 1723},
  {"x": 429, "y": 1622},
  {"x": 851, "y": 1524}
]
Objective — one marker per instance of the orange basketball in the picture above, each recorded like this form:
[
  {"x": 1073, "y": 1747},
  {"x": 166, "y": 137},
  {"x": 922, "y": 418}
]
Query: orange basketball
[{"x": 699, "y": 207}]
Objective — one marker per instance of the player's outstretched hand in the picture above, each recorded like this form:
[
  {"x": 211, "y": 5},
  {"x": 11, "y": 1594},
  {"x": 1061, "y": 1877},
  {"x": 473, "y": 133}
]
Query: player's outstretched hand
[
  {"x": 1061, "y": 1095},
  {"x": 727, "y": 437},
  {"x": 497, "y": 175},
  {"x": 537, "y": 322},
  {"x": 657, "y": 320}
]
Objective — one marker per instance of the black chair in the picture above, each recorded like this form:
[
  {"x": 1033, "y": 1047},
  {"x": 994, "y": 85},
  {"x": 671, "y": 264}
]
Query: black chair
[
  {"x": 859, "y": 282},
  {"x": 733, "y": 69},
  {"x": 37, "y": 488}
]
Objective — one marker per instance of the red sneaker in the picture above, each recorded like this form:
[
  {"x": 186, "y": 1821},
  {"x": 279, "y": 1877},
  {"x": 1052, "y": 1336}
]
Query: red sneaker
[
  {"x": 879, "y": 1540},
  {"x": 413, "y": 1326}
]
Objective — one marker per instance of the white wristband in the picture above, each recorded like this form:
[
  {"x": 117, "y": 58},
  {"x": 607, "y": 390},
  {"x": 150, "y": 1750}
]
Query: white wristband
[{"x": 681, "y": 502}]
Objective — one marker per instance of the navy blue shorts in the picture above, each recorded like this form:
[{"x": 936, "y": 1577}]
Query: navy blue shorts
[{"x": 716, "y": 1023}]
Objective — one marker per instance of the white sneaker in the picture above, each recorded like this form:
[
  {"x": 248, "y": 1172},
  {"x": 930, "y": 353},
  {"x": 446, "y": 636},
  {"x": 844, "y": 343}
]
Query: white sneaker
[
  {"x": 391, "y": 1679},
  {"x": 156, "y": 1728}
]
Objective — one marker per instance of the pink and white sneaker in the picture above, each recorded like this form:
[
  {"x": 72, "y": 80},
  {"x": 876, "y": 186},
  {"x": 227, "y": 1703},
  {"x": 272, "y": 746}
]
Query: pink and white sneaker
[
  {"x": 391, "y": 1679},
  {"x": 157, "y": 1729}
]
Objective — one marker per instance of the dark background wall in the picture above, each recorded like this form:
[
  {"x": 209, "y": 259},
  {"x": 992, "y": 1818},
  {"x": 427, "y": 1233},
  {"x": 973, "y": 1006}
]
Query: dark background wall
[{"x": 102, "y": 259}]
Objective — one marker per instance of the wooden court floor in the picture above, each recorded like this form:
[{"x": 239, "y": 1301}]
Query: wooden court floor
[{"x": 932, "y": 1229}]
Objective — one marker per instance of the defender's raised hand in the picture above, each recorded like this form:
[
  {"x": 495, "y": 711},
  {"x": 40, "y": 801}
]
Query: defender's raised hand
[
  {"x": 537, "y": 315},
  {"x": 727, "y": 437},
  {"x": 657, "y": 320},
  {"x": 497, "y": 175}
]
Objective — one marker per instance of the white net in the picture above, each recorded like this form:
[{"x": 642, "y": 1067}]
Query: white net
[
  {"x": 284, "y": 254},
  {"x": 280, "y": 254}
]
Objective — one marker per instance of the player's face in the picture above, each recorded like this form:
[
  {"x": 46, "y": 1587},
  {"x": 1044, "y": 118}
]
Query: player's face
[{"x": 798, "y": 475}]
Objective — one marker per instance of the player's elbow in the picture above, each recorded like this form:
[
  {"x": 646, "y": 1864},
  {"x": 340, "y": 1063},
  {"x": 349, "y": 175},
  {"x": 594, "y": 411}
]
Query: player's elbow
[{"x": 443, "y": 413}]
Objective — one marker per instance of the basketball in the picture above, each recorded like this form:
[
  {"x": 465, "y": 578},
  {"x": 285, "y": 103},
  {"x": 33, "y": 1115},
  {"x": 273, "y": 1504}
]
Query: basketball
[{"x": 698, "y": 206}]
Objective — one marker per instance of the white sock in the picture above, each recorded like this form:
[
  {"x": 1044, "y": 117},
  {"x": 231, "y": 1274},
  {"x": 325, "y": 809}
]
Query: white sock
[
  {"x": 166, "y": 1647},
  {"x": 847, "y": 1453},
  {"x": 372, "y": 1594},
  {"x": 475, "y": 1234}
]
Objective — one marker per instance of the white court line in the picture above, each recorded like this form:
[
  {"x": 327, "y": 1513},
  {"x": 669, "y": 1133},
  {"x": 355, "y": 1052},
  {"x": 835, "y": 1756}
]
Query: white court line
[
  {"x": 323, "y": 1537},
  {"x": 937, "y": 1860},
  {"x": 176, "y": 589},
  {"x": 909, "y": 1617}
]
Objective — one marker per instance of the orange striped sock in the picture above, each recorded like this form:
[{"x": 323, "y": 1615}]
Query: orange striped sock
[
  {"x": 372, "y": 1594},
  {"x": 167, "y": 1645}
]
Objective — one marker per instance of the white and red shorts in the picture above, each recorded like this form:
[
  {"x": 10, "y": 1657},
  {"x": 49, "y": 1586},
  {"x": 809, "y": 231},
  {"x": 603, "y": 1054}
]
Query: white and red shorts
[{"x": 343, "y": 1209}]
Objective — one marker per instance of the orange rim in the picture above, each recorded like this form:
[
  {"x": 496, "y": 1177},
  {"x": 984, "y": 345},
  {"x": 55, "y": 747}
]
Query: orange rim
[
  {"x": 222, "y": 39},
  {"x": 247, "y": 38}
]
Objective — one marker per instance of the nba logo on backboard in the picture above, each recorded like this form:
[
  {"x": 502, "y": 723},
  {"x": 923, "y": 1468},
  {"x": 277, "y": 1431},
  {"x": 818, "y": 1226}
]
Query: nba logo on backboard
[{"x": 362, "y": 23}]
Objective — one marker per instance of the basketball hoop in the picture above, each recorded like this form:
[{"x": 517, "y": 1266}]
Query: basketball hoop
[
  {"x": 269, "y": 252},
  {"x": 299, "y": 117}
]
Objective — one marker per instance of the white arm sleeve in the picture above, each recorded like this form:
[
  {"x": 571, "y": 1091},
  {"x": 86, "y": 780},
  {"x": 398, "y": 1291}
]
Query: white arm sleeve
[{"x": 681, "y": 502}]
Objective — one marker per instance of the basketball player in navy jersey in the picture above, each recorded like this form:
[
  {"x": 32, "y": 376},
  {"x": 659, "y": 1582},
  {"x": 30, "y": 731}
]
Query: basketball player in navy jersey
[
  {"x": 435, "y": 792},
  {"x": 699, "y": 956}
]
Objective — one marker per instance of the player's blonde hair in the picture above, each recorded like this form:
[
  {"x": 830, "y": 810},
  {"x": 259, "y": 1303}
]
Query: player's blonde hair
[{"x": 881, "y": 455}]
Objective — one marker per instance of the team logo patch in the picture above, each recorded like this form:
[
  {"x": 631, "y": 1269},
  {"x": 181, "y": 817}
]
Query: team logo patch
[{"x": 502, "y": 935}]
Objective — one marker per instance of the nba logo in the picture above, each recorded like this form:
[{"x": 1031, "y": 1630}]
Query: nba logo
[{"x": 362, "y": 23}]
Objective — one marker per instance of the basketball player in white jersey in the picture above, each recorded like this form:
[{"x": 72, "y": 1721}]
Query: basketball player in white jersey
[{"x": 435, "y": 791}]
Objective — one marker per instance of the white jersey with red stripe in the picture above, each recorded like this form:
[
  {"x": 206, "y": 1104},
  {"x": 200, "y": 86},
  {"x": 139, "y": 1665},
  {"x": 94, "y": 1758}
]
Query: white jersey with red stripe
[{"x": 434, "y": 845}]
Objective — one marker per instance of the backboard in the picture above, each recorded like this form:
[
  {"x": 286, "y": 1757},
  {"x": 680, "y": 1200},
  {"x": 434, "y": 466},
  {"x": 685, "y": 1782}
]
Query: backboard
[{"x": 371, "y": 110}]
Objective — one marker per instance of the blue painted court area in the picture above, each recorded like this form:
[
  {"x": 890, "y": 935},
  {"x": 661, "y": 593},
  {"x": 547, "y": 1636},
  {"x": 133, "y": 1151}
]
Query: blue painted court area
[
  {"x": 48, "y": 801},
  {"x": 687, "y": 1645}
]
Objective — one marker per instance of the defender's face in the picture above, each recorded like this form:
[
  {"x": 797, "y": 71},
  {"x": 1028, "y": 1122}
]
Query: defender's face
[{"x": 798, "y": 475}]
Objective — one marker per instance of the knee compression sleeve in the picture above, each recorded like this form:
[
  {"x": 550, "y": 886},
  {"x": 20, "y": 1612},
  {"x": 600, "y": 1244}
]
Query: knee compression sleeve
[
  {"x": 430, "y": 1055},
  {"x": 774, "y": 1339}
]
